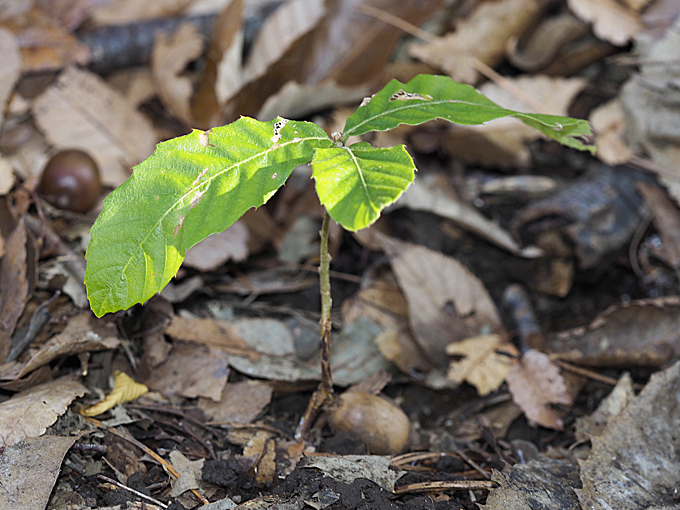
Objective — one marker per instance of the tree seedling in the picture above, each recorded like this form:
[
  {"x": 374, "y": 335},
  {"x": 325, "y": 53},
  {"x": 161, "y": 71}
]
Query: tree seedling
[{"x": 199, "y": 184}]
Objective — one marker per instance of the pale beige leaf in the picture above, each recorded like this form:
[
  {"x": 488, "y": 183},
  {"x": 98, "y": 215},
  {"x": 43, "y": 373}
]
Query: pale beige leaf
[
  {"x": 535, "y": 383},
  {"x": 210, "y": 332},
  {"x": 81, "y": 111},
  {"x": 189, "y": 473},
  {"x": 30, "y": 412},
  {"x": 10, "y": 63},
  {"x": 170, "y": 56},
  {"x": 288, "y": 23},
  {"x": 483, "y": 36},
  {"x": 125, "y": 389},
  {"x": 609, "y": 126},
  {"x": 214, "y": 251},
  {"x": 30, "y": 469},
  {"x": 486, "y": 361},
  {"x": 611, "y": 21},
  {"x": 447, "y": 303}
]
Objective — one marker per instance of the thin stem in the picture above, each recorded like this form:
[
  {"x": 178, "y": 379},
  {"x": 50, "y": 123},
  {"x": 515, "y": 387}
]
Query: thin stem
[
  {"x": 326, "y": 304},
  {"x": 323, "y": 395}
]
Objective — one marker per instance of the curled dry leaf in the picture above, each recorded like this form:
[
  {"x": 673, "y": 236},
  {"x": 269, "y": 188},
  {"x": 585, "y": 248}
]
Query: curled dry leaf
[
  {"x": 535, "y": 383},
  {"x": 169, "y": 58},
  {"x": 125, "y": 389},
  {"x": 483, "y": 36},
  {"x": 611, "y": 21}
]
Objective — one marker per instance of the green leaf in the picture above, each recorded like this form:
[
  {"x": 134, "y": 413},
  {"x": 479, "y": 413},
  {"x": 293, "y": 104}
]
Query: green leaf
[
  {"x": 356, "y": 183},
  {"x": 427, "y": 97},
  {"x": 189, "y": 188}
]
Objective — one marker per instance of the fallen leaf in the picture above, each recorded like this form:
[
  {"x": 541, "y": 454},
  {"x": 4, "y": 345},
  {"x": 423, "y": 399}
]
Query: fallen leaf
[
  {"x": 82, "y": 334},
  {"x": 483, "y": 36},
  {"x": 666, "y": 218},
  {"x": 214, "y": 251},
  {"x": 221, "y": 334},
  {"x": 191, "y": 371},
  {"x": 447, "y": 303},
  {"x": 30, "y": 469},
  {"x": 189, "y": 473},
  {"x": 639, "y": 333},
  {"x": 632, "y": 463},
  {"x": 241, "y": 402},
  {"x": 120, "y": 12},
  {"x": 10, "y": 63},
  {"x": 14, "y": 285},
  {"x": 171, "y": 54},
  {"x": 611, "y": 406},
  {"x": 80, "y": 111},
  {"x": 486, "y": 361},
  {"x": 125, "y": 389},
  {"x": 29, "y": 413},
  {"x": 611, "y": 21},
  {"x": 609, "y": 126},
  {"x": 263, "y": 448},
  {"x": 535, "y": 383}
]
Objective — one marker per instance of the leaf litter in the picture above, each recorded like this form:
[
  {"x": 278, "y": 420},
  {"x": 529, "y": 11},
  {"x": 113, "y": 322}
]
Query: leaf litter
[{"x": 232, "y": 354}]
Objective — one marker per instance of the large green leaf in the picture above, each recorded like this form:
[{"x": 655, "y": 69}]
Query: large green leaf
[
  {"x": 355, "y": 183},
  {"x": 427, "y": 97},
  {"x": 191, "y": 187}
]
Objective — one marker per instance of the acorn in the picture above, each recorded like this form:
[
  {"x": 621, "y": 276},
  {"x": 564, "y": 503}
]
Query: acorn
[
  {"x": 382, "y": 426},
  {"x": 71, "y": 181}
]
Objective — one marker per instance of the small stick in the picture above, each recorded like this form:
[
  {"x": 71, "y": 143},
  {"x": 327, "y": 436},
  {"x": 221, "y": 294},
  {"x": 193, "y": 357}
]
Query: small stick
[
  {"x": 443, "y": 486},
  {"x": 136, "y": 493}
]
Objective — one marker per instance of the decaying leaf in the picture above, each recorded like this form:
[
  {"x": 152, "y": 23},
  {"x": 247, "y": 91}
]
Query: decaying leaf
[
  {"x": 447, "y": 303},
  {"x": 10, "y": 63},
  {"x": 80, "y": 111},
  {"x": 348, "y": 468},
  {"x": 486, "y": 361},
  {"x": 535, "y": 383},
  {"x": 263, "y": 448},
  {"x": 14, "y": 285},
  {"x": 211, "y": 253},
  {"x": 633, "y": 463},
  {"x": 30, "y": 412},
  {"x": 241, "y": 402},
  {"x": 189, "y": 473},
  {"x": 125, "y": 389},
  {"x": 609, "y": 126}
]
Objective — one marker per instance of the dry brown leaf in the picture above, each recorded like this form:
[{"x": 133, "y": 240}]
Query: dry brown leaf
[
  {"x": 486, "y": 361},
  {"x": 213, "y": 252},
  {"x": 82, "y": 334},
  {"x": 6, "y": 179},
  {"x": 170, "y": 56},
  {"x": 428, "y": 193},
  {"x": 10, "y": 63},
  {"x": 535, "y": 383},
  {"x": 81, "y": 111},
  {"x": 503, "y": 142},
  {"x": 609, "y": 126},
  {"x": 30, "y": 412},
  {"x": 221, "y": 334},
  {"x": 119, "y": 12},
  {"x": 125, "y": 389},
  {"x": 611, "y": 21},
  {"x": 191, "y": 371},
  {"x": 641, "y": 332},
  {"x": 14, "y": 285},
  {"x": 241, "y": 402},
  {"x": 483, "y": 36},
  {"x": 30, "y": 470},
  {"x": 447, "y": 303},
  {"x": 612, "y": 406}
]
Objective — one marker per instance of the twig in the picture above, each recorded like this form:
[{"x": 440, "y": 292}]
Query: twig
[
  {"x": 590, "y": 374},
  {"x": 443, "y": 486},
  {"x": 136, "y": 493}
]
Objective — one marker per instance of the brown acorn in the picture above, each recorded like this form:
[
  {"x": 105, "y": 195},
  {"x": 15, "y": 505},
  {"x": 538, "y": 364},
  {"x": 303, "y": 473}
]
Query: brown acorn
[{"x": 71, "y": 181}]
